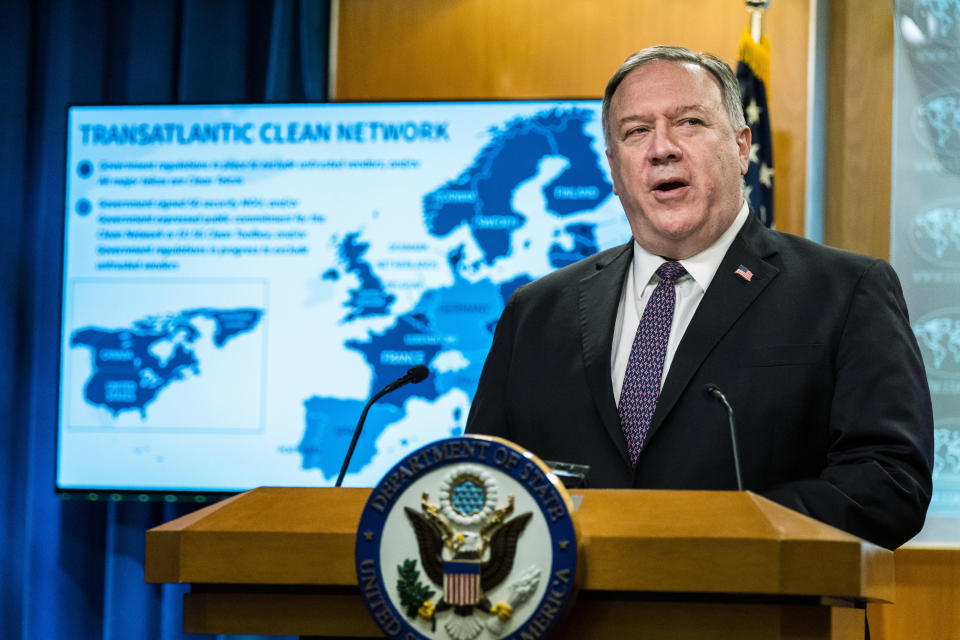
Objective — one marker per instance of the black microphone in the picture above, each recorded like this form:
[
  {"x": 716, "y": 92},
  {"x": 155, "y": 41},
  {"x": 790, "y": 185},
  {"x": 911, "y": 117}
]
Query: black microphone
[
  {"x": 415, "y": 374},
  {"x": 714, "y": 391}
]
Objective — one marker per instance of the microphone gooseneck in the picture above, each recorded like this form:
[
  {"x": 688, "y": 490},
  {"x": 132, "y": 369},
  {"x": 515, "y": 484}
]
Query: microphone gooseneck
[
  {"x": 415, "y": 374},
  {"x": 714, "y": 391}
]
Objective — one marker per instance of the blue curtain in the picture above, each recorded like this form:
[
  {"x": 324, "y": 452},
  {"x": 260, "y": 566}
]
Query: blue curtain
[{"x": 73, "y": 569}]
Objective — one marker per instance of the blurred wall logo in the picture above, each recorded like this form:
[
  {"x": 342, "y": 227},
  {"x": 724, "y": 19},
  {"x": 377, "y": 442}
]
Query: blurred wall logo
[
  {"x": 937, "y": 123},
  {"x": 931, "y": 20},
  {"x": 936, "y": 234},
  {"x": 946, "y": 450},
  {"x": 939, "y": 336},
  {"x": 946, "y": 469}
]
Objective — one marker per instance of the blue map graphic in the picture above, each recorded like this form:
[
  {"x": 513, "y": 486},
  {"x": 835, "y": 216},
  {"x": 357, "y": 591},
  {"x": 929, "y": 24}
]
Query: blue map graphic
[
  {"x": 584, "y": 244},
  {"x": 128, "y": 374},
  {"x": 369, "y": 299},
  {"x": 453, "y": 325},
  {"x": 480, "y": 196}
]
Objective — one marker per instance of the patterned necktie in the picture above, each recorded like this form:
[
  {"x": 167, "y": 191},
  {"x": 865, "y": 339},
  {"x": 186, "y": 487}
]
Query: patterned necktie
[{"x": 641, "y": 383}]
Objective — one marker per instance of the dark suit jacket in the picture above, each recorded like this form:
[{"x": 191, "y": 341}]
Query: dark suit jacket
[{"x": 815, "y": 354}]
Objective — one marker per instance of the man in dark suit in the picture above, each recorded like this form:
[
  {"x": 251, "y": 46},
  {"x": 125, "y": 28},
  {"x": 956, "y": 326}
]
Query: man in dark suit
[{"x": 811, "y": 345}]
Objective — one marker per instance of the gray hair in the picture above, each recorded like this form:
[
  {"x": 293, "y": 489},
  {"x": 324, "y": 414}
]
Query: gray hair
[{"x": 729, "y": 87}]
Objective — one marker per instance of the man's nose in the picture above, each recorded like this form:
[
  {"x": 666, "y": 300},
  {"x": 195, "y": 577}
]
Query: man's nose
[{"x": 663, "y": 145}]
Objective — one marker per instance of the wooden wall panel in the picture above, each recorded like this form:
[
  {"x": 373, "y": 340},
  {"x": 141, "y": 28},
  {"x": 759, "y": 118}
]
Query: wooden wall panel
[
  {"x": 927, "y": 604},
  {"x": 859, "y": 121},
  {"x": 565, "y": 48}
]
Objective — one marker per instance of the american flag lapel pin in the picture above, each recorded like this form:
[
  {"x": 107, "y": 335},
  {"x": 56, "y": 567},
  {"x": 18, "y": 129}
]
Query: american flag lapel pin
[{"x": 744, "y": 273}]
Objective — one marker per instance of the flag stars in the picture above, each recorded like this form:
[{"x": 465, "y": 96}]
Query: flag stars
[
  {"x": 758, "y": 181},
  {"x": 766, "y": 175},
  {"x": 563, "y": 544},
  {"x": 752, "y": 112},
  {"x": 368, "y": 536}
]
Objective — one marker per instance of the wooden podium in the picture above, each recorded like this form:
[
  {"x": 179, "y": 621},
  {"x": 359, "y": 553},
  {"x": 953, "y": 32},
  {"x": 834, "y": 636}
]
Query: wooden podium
[{"x": 653, "y": 564}]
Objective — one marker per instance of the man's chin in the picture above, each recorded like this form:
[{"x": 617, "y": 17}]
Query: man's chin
[
  {"x": 678, "y": 228},
  {"x": 675, "y": 238}
]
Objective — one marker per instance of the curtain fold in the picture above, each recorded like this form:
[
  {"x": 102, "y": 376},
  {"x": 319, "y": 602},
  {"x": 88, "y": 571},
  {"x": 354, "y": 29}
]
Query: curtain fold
[{"x": 73, "y": 569}]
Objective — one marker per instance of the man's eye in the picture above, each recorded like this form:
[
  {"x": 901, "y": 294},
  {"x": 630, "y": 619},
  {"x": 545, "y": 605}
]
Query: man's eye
[
  {"x": 636, "y": 131},
  {"x": 692, "y": 121}
]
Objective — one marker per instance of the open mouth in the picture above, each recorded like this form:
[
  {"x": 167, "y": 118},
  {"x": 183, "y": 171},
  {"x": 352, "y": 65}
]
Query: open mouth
[{"x": 669, "y": 185}]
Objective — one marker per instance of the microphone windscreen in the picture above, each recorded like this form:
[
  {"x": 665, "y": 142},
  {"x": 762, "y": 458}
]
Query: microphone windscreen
[{"x": 418, "y": 373}]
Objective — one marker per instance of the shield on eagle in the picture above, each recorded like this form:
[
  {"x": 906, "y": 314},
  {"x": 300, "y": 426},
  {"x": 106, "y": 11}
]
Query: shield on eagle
[{"x": 461, "y": 582}]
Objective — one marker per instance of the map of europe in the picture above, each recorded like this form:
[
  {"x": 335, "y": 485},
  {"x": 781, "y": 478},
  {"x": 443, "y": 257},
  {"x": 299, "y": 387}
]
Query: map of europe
[
  {"x": 450, "y": 328},
  {"x": 131, "y": 366}
]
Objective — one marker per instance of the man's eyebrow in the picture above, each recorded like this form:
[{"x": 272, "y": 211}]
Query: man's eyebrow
[
  {"x": 634, "y": 118},
  {"x": 688, "y": 108},
  {"x": 672, "y": 113}
]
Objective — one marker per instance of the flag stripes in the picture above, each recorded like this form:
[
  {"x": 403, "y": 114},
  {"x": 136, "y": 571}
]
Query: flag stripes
[{"x": 461, "y": 582}]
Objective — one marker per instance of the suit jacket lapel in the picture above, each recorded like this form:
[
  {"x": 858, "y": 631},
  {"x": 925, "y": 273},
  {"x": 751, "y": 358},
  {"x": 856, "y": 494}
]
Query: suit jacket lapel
[
  {"x": 725, "y": 300},
  {"x": 598, "y": 300}
]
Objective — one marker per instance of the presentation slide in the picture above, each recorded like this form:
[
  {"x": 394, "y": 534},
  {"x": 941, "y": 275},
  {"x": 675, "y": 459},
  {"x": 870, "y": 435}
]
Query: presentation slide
[{"x": 238, "y": 280}]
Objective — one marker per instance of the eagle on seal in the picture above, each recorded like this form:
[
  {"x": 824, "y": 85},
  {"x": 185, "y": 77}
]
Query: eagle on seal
[{"x": 466, "y": 578}]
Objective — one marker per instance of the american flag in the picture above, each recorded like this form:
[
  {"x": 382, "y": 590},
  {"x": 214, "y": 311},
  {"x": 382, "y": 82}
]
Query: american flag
[
  {"x": 744, "y": 273},
  {"x": 461, "y": 582},
  {"x": 753, "y": 73}
]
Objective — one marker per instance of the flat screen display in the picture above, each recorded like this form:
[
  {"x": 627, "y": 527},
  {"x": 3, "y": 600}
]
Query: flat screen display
[{"x": 239, "y": 279}]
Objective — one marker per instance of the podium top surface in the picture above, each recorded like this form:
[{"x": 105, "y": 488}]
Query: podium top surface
[{"x": 630, "y": 540}]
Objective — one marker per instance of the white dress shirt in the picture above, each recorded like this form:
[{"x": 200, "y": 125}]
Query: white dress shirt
[{"x": 642, "y": 279}]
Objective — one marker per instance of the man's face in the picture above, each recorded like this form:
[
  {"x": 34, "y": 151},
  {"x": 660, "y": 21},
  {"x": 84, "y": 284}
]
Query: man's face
[{"x": 675, "y": 159}]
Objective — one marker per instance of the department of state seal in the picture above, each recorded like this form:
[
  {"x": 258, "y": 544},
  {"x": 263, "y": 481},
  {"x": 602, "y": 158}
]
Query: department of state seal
[{"x": 467, "y": 538}]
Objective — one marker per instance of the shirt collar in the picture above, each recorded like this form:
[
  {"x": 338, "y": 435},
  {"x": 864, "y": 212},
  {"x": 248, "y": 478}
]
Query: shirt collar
[{"x": 701, "y": 267}]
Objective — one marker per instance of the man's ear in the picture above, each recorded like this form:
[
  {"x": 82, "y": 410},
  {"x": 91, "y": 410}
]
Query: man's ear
[
  {"x": 744, "y": 140},
  {"x": 611, "y": 162}
]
